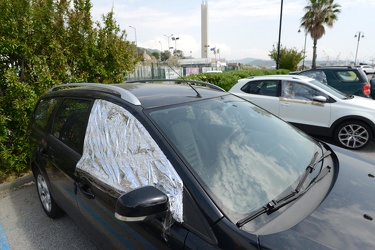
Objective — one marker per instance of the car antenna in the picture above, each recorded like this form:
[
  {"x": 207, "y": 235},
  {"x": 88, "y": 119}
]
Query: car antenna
[
  {"x": 198, "y": 95},
  {"x": 182, "y": 78}
]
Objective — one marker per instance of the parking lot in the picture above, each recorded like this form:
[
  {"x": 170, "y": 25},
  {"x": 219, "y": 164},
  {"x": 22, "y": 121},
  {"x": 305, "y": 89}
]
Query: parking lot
[{"x": 23, "y": 224}]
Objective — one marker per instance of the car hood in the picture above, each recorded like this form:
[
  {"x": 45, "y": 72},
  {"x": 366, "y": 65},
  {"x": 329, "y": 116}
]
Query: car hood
[
  {"x": 344, "y": 220},
  {"x": 360, "y": 102}
]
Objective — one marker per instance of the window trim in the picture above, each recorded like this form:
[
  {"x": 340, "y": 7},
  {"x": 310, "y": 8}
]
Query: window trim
[{"x": 56, "y": 111}]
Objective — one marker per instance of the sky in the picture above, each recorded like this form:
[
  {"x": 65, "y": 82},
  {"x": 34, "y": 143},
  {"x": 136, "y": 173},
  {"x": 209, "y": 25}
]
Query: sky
[{"x": 243, "y": 28}]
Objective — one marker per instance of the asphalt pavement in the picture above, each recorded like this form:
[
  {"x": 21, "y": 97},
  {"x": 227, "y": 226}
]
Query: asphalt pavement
[{"x": 24, "y": 225}]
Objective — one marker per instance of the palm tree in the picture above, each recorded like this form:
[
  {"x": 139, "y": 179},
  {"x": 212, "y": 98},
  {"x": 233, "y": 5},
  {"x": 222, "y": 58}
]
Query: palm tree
[{"x": 318, "y": 14}]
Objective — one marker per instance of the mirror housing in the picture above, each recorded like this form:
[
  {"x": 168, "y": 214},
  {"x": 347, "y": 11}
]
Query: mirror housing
[
  {"x": 141, "y": 204},
  {"x": 320, "y": 98}
]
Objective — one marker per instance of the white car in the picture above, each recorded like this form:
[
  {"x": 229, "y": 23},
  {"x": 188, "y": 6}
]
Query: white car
[
  {"x": 368, "y": 69},
  {"x": 312, "y": 106}
]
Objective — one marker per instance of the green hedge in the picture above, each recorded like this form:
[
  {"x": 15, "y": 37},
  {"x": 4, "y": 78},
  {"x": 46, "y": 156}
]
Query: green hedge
[{"x": 227, "y": 79}]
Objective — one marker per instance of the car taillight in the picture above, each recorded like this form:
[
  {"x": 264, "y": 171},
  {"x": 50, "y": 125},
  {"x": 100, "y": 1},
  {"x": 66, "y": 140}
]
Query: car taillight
[{"x": 367, "y": 89}]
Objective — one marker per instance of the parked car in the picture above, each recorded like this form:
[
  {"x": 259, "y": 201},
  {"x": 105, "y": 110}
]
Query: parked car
[
  {"x": 349, "y": 80},
  {"x": 368, "y": 69},
  {"x": 316, "y": 108},
  {"x": 190, "y": 166}
]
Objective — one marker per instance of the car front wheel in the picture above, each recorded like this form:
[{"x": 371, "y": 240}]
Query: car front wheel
[
  {"x": 353, "y": 134},
  {"x": 49, "y": 205}
]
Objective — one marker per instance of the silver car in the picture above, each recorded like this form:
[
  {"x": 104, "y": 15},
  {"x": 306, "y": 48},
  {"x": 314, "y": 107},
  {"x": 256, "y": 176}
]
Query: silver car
[{"x": 312, "y": 106}]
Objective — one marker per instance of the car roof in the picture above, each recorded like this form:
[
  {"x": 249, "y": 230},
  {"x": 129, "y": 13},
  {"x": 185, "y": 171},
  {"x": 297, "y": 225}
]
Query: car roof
[
  {"x": 144, "y": 93},
  {"x": 161, "y": 94},
  {"x": 333, "y": 68},
  {"x": 281, "y": 77}
]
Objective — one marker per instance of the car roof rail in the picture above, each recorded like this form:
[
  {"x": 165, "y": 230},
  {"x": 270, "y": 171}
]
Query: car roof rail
[
  {"x": 209, "y": 85},
  {"x": 337, "y": 66},
  {"x": 124, "y": 94}
]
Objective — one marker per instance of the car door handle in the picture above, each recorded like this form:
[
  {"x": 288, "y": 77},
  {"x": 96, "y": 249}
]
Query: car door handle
[
  {"x": 43, "y": 151},
  {"x": 284, "y": 104},
  {"x": 86, "y": 190}
]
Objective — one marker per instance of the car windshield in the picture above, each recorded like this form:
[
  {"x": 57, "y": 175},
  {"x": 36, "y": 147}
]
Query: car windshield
[
  {"x": 242, "y": 155},
  {"x": 329, "y": 89}
]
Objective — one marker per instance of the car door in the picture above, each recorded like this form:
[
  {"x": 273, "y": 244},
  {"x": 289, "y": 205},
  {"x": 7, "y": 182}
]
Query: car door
[
  {"x": 65, "y": 148},
  {"x": 298, "y": 106},
  {"x": 119, "y": 156},
  {"x": 346, "y": 80},
  {"x": 263, "y": 93}
]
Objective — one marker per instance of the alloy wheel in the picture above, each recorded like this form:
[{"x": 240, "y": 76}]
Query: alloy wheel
[
  {"x": 44, "y": 194},
  {"x": 353, "y": 136}
]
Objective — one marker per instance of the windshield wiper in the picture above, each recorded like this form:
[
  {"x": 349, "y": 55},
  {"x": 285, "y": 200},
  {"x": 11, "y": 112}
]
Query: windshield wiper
[
  {"x": 274, "y": 205},
  {"x": 349, "y": 97}
]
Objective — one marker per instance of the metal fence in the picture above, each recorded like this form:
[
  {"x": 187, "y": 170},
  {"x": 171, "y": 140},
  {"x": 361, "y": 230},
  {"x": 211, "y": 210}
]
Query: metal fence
[{"x": 163, "y": 71}]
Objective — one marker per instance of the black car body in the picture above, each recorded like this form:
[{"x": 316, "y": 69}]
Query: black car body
[
  {"x": 182, "y": 166},
  {"x": 347, "y": 79}
]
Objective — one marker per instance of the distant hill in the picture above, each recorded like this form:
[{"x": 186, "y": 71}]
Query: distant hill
[
  {"x": 271, "y": 63},
  {"x": 255, "y": 62},
  {"x": 248, "y": 60}
]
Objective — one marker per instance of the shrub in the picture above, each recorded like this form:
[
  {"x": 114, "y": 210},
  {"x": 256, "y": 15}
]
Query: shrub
[{"x": 17, "y": 101}]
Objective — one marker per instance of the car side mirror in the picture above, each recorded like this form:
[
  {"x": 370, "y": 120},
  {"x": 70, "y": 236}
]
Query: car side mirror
[
  {"x": 320, "y": 98},
  {"x": 141, "y": 204}
]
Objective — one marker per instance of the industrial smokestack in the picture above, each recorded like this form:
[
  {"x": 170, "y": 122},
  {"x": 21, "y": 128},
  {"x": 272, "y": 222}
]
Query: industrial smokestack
[{"x": 204, "y": 29}]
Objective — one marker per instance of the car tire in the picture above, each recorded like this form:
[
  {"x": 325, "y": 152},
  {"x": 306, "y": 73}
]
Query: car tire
[
  {"x": 48, "y": 203},
  {"x": 353, "y": 134}
]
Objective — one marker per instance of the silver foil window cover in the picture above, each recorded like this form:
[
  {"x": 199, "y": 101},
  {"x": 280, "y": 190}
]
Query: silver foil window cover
[{"x": 119, "y": 151}]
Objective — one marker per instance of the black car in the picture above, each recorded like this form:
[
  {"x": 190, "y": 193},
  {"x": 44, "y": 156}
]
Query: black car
[
  {"x": 190, "y": 166},
  {"x": 347, "y": 79}
]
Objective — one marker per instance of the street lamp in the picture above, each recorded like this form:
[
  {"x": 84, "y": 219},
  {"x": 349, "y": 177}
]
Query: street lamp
[
  {"x": 135, "y": 32},
  {"x": 191, "y": 59},
  {"x": 278, "y": 44},
  {"x": 175, "y": 41},
  {"x": 168, "y": 40},
  {"x": 359, "y": 34},
  {"x": 161, "y": 49},
  {"x": 304, "y": 50}
]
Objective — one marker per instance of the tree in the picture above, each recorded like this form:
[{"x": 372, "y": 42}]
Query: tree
[
  {"x": 156, "y": 55},
  {"x": 178, "y": 53},
  {"x": 173, "y": 61},
  {"x": 165, "y": 55},
  {"x": 45, "y": 43},
  {"x": 289, "y": 58},
  {"x": 318, "y": 14}
]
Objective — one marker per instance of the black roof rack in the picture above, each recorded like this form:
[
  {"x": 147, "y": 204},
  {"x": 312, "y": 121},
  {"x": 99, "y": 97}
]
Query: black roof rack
[
  {"x": 210, "y": 85},
  {"x": 125, "y": 94},
  {"x": 337, "y": 66}
]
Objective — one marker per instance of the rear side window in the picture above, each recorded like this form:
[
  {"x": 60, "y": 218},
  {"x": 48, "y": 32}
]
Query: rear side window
[
  {"x": 317, "y": 75},
  {"x": 266, "y": 87},
  {"x": 70, "y": 123},
  {"x": 43, "y": 112},
  {"x": 347, "y": 76}
]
